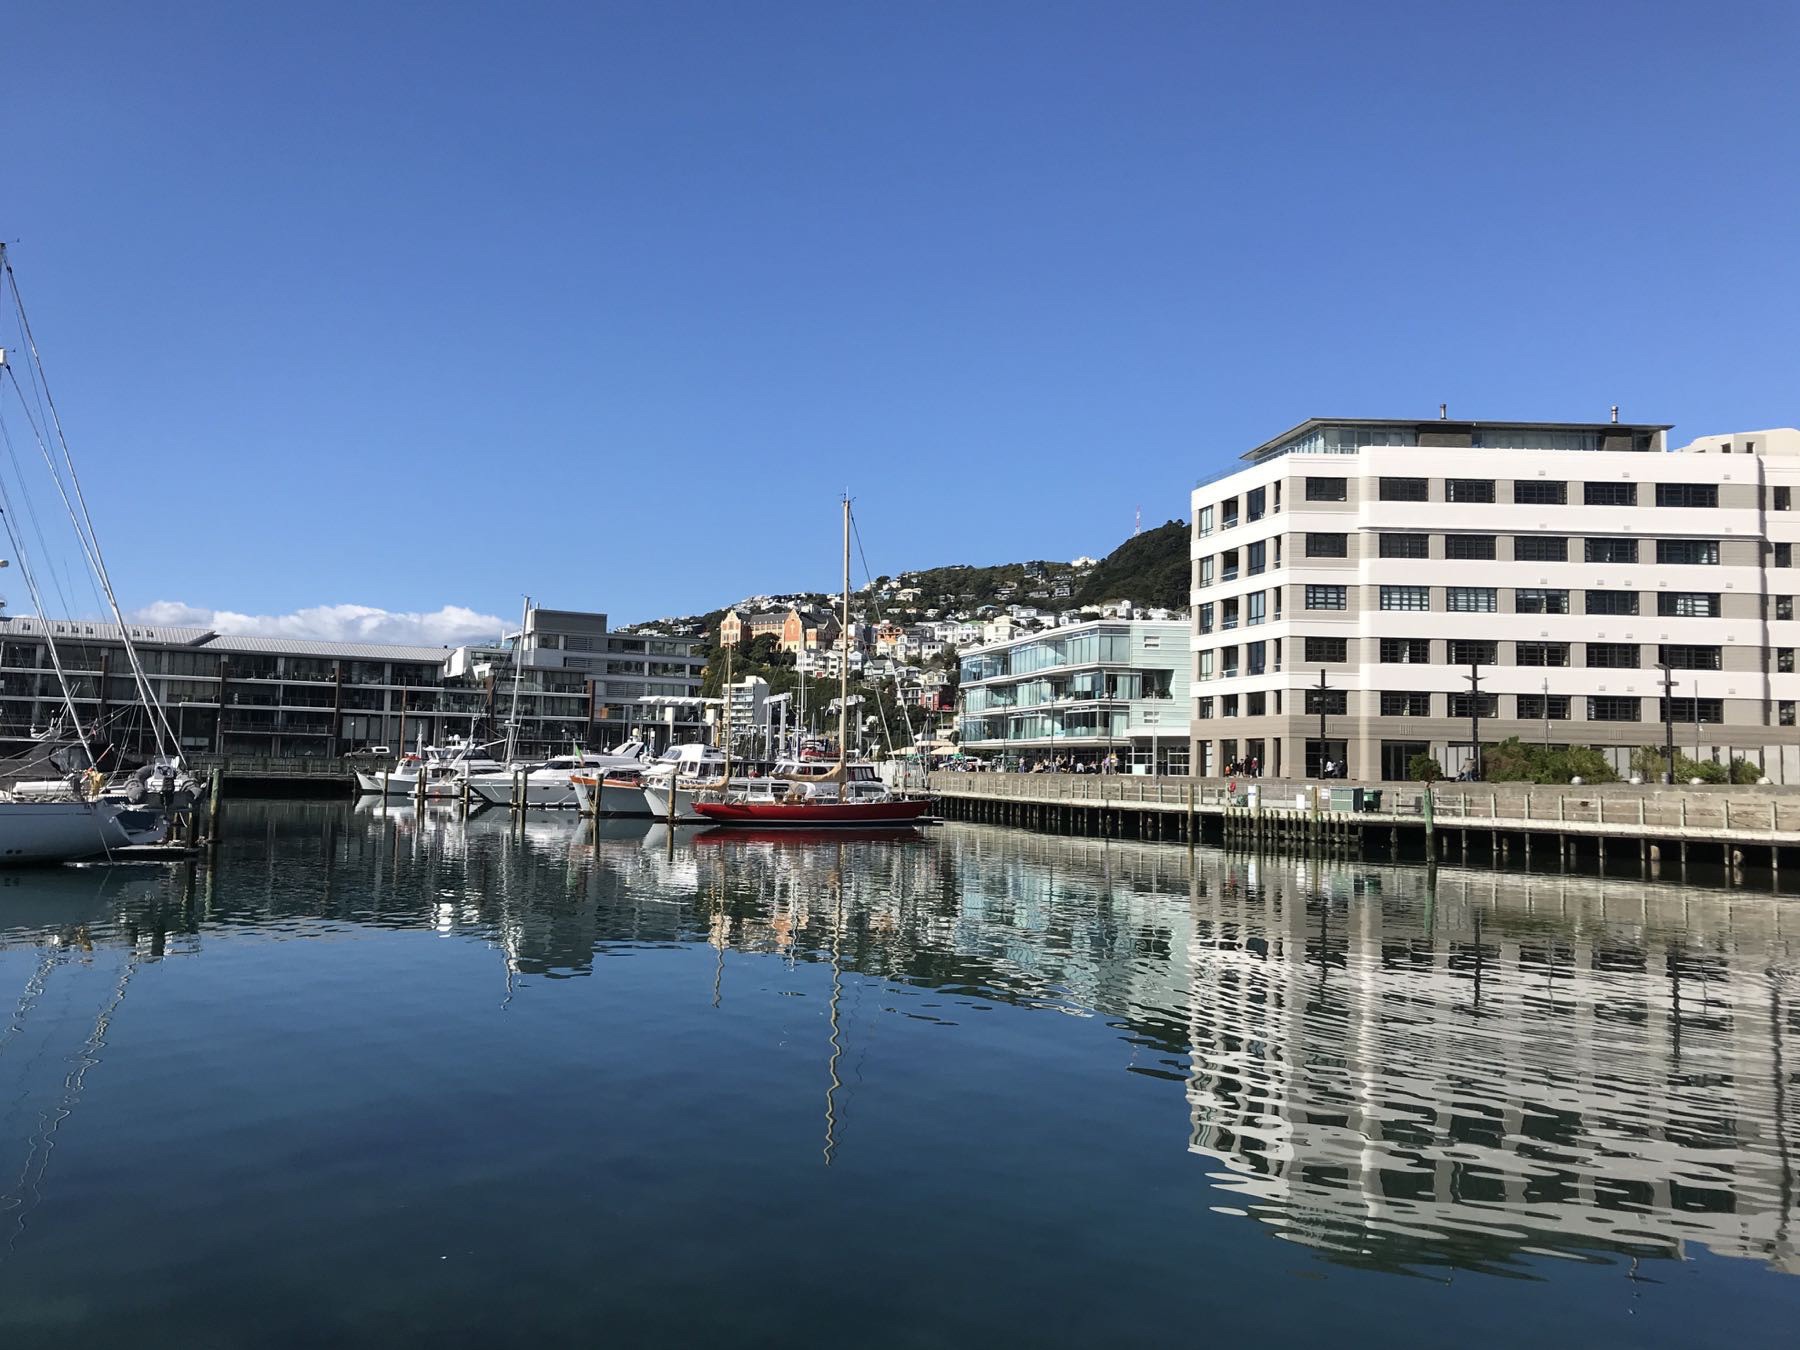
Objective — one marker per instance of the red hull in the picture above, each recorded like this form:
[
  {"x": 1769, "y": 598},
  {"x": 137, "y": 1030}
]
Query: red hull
[{"x": 812, "y": 815}]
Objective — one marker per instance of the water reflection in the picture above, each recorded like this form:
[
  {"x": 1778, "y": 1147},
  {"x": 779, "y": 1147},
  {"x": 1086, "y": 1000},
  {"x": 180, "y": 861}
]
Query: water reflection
[{"x": 1400, "y": 1069}]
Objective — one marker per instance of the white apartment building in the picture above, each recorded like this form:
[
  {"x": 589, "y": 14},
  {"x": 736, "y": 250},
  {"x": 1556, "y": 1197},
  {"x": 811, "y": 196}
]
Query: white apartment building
[
  {"x": 1116, "y": 688},
  {"x": 1568, "y": 563}
]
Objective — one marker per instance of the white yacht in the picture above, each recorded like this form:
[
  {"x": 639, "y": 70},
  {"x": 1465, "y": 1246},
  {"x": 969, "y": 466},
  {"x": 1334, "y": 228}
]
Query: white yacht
[
  {"x": 549, "y": 784},
  {"x": 444, "y": 767},
  {"x": 62, "y": 831}
]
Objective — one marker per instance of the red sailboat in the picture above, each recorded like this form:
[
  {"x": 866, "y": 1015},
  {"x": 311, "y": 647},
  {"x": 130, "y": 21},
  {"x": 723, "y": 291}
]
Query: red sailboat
[{"x": 830, "y": 798}]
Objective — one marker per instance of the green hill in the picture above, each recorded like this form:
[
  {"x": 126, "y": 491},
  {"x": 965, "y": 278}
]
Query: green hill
[{"x": 1147, "y": 569}]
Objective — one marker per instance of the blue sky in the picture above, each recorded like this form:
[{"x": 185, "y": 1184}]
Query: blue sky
[{"x": 413, "y": 305}]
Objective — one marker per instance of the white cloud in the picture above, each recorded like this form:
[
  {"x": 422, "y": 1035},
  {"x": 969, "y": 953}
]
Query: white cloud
[{"x": 449, "y": 626}]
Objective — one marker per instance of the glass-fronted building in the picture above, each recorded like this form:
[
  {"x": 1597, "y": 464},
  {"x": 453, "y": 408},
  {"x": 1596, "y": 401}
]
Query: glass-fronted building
[{"x": 1110, "y": 687}]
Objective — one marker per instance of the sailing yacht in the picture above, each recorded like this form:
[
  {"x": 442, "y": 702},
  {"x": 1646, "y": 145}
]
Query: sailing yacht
[
  {"x": 77, "y": 822},
  {"x": 822, "y": 797}
]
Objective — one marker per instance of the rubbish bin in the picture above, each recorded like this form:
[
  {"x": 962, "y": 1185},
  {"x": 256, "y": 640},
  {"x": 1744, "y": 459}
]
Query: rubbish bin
[
  {"x": 1372, "y": 799},
  {"x": 1346, "y": 799}
]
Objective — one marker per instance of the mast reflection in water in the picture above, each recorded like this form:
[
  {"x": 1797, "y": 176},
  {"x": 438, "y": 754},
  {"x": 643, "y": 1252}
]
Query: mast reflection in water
[{"x": 1392, "y": 1069}]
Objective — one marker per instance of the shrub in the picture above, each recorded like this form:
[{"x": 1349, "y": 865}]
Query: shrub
[{"x": 1422, "y": 768}]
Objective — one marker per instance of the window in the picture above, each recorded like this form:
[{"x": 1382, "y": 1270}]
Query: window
[
  {"x": 1477, "y": 546},
  {"x": 1256, "y": 659},
  {"x": 1327, "y": 546},
  {"x": 1255, "y": 557},
  {"x": 1327, "y": 489},
  {"x": 1406, "y": 651},
  {"x": 1254, "y": 609},
  {"x": 1609, "y": 494},
  {"x": 1688, "y": 604},
  {"x": 1611, "y": 708},
  {"x": 1687, "y": 656},
  {"x": 1336, "y": 702},
  {"x": 1203, "y": 622},
  {"x": 1612, "y": 602},
  {"x": 1784, "y": 660},
  {"x": 1405, "y": 489},
  {"x": 1326, "y": 597},
  {"x": 1690, "y": 710},
  {"x": 1688, "y": 552},
  {"x": 1203, "y": 707},
  {"x": 1405, "y": 703},
  {"x": 1541, "y": 602},
  {"x": 1784, "y": 712},
  {"x": 1256, "y": 704},
  {"x": 1544, "y": 707},
  {"x": 1203, "y": 525},
  {"x": 1468, "y": 489},
  {"x": 1228, "y": 705},
  {"x": 1611, "y": 550},
  {"x": 1254, "y": 501},
  {"x": 1613, "y": 655},
  {"x": 1228, "y": 513},
  {"x": 1784, "y": 607},
  {"x": 1471, "y": 599},
  {"x": 1406, "y": 597},
  {"x": 1327, "y": 649},
  {"x": 1473, "y": 652},
  {"x": 1406, "y": 546},
  {"x": 1206, "y": 571},
  {"x": 1784, "y": 499},
  {"x": 1203, "y": 666},
  {"x": 1540, "y": 492},
  {"x": 1687, "y": 494},
  {"x": 1542, "y": 654},
  {"x": 1784, "y": 555},
  {"x": 1460, "y": 705},
  {"x": 1541, "y": 548}
]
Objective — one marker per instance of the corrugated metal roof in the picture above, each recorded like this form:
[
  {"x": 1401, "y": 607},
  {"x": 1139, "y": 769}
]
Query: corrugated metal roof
[
  {"x": 168, "y": 635},
  {"x": 365, "y": 651}
]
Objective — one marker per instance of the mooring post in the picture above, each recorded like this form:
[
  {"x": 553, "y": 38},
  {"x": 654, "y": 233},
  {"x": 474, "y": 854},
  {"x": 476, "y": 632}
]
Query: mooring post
[{"x": 215, "y": 808}]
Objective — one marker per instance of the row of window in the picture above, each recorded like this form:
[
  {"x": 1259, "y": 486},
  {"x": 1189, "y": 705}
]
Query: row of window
[
  {"x": 1486, "y": 652},
  {"x": 1255, "y": 607},
  {"x": 1526, "y": 707},
  {"x": 1543, "y": 492},
  {"x": 1259, "y": 556}
]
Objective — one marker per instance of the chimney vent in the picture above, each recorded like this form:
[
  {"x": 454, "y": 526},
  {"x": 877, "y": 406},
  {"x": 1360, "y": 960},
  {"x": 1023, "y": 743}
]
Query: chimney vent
[
  {"x": 1443, "y": 411},
  {"x": 1615, "y": 411}
]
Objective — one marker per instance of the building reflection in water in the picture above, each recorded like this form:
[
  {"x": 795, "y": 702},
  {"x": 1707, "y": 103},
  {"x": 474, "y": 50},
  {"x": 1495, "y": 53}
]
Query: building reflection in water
[{"x": 1397, "y": 1067}]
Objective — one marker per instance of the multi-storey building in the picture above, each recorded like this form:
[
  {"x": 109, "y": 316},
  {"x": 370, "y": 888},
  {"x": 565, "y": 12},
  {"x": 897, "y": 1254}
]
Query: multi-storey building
[
  {"x": 307, "y": 697},
  {"x": 645, "y": 685},
  {"x": 1114, "y": 687},
  {"x": 1365, "y": 569}
]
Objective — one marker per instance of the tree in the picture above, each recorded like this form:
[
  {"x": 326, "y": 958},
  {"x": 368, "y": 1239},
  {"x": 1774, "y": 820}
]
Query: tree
[{"x": 1422, "y": 768}]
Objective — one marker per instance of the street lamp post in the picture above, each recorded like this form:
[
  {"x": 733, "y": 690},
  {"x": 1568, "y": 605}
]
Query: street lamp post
[
  {"x": 1323, "y": 688},
  {"x": 1668, "y": 719},
  {"x": 1474, "y": 679}
]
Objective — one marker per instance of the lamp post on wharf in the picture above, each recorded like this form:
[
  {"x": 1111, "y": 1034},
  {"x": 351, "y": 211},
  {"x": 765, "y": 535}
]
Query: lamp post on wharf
[
  {"x": 1321, "y": 689},
  {"x": 1668, "y": 720},
  {"x": 1474, "y": 679}
]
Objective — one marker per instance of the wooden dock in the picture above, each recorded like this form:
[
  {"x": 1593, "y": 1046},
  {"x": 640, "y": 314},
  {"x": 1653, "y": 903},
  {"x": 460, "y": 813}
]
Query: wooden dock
[{"x": 1603, "y": 825}]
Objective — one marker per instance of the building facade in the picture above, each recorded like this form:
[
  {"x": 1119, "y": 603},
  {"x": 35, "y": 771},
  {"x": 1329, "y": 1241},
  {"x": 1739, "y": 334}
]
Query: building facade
[
  {"x": 1085, "y": 692},
  {"x": 1366, "y": 569},
  {"x": 307, "y": 698}
]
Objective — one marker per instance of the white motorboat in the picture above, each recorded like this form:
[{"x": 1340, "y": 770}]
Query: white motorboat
[
  {"x": 550, "y": 784},
  {"x": 444, "y": 767}
]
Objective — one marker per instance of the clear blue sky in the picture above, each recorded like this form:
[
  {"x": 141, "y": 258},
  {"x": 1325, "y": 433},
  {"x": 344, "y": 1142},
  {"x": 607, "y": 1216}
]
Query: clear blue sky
[{"x": 413, "y": 304}]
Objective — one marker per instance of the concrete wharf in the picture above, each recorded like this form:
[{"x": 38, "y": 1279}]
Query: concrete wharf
[{"x": 1600, "y": 825}]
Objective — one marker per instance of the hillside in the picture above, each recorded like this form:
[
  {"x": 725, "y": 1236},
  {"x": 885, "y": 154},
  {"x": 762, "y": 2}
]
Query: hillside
[{"x": 1148, "y": 569}]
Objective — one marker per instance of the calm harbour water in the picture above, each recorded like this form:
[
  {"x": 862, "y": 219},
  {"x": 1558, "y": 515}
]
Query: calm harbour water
[{"x": 382, "y": 1081}]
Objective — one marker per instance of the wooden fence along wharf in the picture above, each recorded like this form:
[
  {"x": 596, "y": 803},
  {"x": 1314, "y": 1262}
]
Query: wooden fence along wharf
[{"x": 1602, "y": 826}]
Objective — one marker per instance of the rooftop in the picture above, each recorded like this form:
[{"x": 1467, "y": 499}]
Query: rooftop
[{"x": 1440, "y": 426}]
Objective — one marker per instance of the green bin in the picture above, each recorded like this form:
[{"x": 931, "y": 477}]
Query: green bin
[{"x": 1346, "y": 799}]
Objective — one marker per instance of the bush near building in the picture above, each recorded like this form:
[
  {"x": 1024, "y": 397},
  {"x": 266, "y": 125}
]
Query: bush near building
[
  {"x": 1650, "y": 763},
  {"x": 1516, "y": 761}
]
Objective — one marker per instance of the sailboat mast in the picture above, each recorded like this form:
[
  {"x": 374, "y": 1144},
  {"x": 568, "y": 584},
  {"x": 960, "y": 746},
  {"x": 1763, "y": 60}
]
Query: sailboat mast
[
  {"x": 512, "y": 718},
  {"x": 844, "y": 665}
]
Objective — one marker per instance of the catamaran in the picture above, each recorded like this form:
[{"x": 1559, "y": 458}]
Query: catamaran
[{"x": 824, "y": 796}]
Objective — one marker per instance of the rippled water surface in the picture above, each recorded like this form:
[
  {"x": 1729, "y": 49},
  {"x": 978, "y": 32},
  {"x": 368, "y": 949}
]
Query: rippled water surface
[{"x": 376, "y": 1080}]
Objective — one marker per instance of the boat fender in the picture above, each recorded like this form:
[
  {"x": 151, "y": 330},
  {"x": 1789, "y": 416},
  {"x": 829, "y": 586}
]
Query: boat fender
[
  {"x": 136, "y": 792},
  {"x": 142, "y": 772}
]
